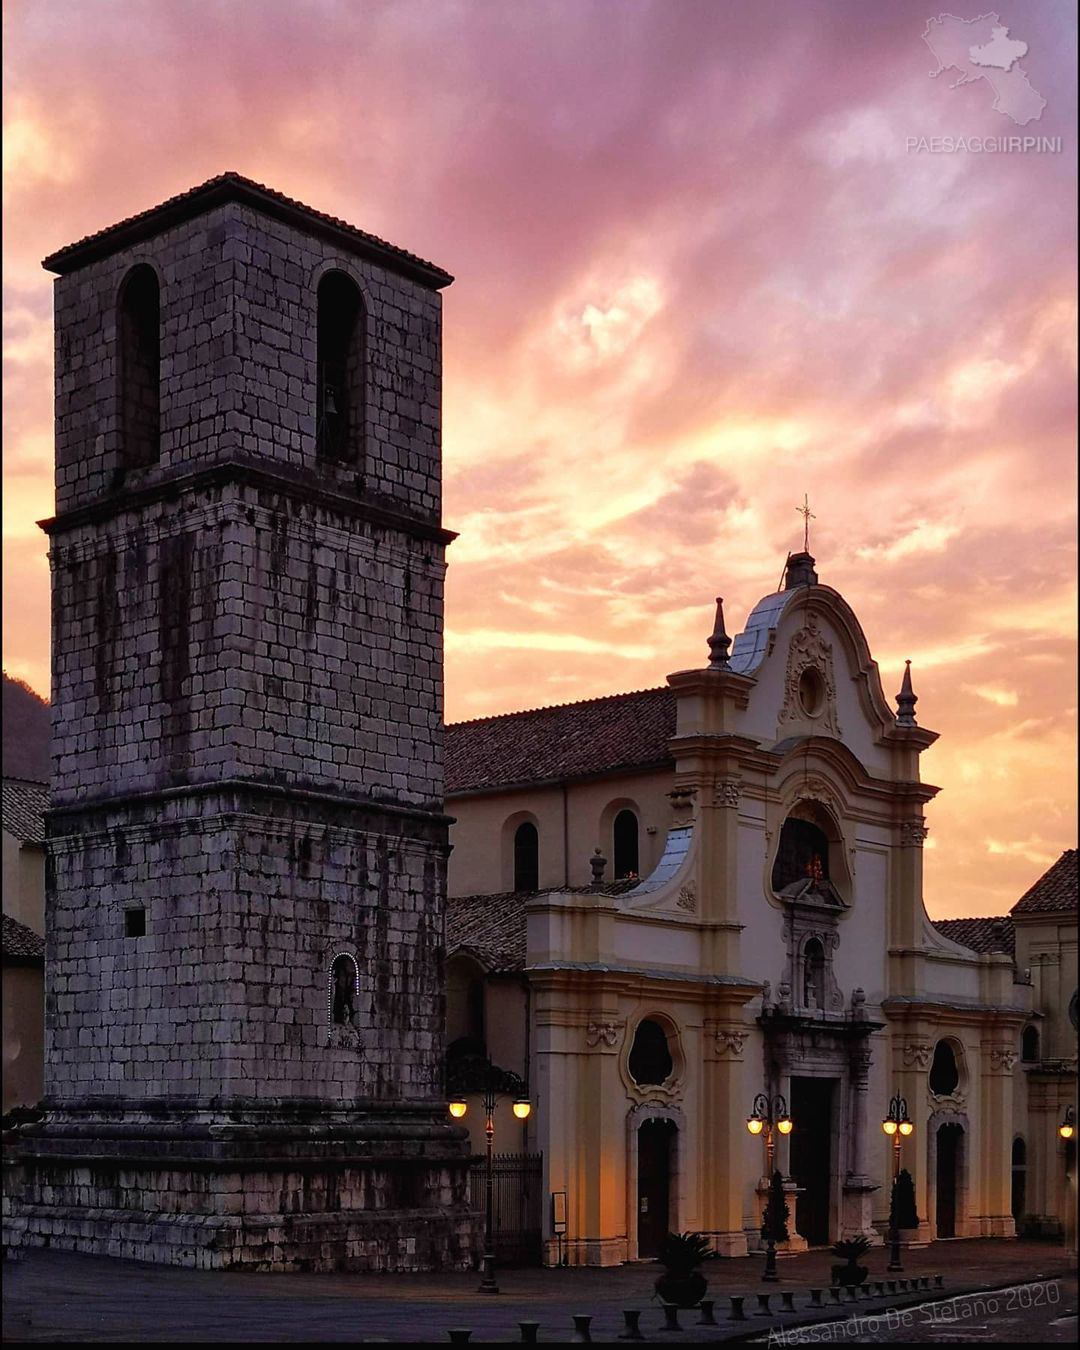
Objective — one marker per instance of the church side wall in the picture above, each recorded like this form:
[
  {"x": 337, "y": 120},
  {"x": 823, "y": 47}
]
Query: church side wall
[{"x": 481, "y": 864}]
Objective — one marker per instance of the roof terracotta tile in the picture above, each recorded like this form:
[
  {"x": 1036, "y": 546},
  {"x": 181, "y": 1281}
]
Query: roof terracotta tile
[
  {"x": 225, "y": 187},
  {"x": 20, "y": 942},
  {"x": 24, "y": 807},
  {"x": 492, "y": 927},
  {"x": 572, "y": 740},
  {"x": 981, "y": 935},
  {"x": 1055, "y": 889}
]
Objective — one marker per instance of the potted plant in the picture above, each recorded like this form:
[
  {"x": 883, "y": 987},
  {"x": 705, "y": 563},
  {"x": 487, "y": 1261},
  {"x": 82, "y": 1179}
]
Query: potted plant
[
  {"x": 774, "y": 1220},
  {"x": 851, "y": 1272},
  {"x": 903, "y": 1213},
  {"x": 681, "y": 1254}
]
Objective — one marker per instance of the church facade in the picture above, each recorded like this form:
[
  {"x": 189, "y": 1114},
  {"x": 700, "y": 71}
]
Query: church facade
[{"x": 673, "y": 909}]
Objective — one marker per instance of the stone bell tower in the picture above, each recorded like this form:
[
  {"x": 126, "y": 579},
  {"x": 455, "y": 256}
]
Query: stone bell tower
[{"x": 247, "y": 850}]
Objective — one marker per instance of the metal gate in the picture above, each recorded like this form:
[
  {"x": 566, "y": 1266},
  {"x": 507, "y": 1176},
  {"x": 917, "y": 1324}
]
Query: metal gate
[{"x": 517, "y": 1209}]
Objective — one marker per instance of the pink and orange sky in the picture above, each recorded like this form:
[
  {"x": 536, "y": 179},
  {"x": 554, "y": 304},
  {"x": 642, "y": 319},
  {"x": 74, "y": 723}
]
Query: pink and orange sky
[{"x": 698, "y": 274}]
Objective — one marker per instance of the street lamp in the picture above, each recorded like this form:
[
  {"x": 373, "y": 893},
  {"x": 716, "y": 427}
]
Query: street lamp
[
  {"x": 521, "y": 1108},
  {"x": 897, "y": 1126},
  {"x": 769, "y": 1114},
  {"x": 1067, "y": 1128}
]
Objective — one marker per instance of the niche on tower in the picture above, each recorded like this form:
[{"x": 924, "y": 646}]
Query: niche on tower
[
  {"x": 139, "y": 366},
  {"x": 341, "y": 371}
]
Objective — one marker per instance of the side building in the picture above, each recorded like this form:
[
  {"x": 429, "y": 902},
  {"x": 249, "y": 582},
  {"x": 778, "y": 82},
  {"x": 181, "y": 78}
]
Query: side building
[{"x": 24, "y": 807}]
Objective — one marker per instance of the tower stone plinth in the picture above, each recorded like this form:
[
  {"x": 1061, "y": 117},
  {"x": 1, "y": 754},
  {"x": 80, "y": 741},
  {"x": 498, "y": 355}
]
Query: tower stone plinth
[{"x": 247, "y": 846}]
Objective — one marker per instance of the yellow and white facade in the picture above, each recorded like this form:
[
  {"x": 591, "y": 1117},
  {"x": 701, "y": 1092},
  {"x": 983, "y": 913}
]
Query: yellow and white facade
[{"x": 779, "y": 945}]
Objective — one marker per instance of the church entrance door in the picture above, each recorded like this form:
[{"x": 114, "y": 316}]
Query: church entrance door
[
  {"x": 949, "y": 1140},
  {"x": 656, "y": 1139},
  {"x": 812, "y": 1156}
]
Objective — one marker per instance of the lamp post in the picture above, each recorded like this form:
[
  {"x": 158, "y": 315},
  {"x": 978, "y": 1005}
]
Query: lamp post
[
  {"x": 897, "y": 1126},
  {"x": 769, "y": 1113},
  {"x": 458, "y": 1106}
]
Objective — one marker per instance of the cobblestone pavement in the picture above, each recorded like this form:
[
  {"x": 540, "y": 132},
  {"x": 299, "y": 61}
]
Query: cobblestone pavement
[{"x": 58, "y": 1296}]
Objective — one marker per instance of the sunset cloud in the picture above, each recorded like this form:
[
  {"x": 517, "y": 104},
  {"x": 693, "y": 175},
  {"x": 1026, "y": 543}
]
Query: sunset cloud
[{"x": 698, "y": 275}]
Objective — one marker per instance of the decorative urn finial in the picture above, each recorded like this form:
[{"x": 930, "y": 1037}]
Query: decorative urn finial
[
  {"x": 597, "y": 862},
  {"x": 906, "y": 700},
  {"x": 719, "y": 642}
]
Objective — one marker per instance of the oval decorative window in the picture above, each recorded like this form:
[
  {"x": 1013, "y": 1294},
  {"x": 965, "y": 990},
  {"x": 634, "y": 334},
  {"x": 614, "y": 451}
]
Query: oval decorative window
[
  {"x": 650, "y": 1061},
  {"x": 944, "y": 1072},
  {"x": 811, "y": 691}
]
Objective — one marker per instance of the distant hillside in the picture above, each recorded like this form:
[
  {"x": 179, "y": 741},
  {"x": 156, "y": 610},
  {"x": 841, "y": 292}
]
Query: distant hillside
[{"x": 26, "y": 732}]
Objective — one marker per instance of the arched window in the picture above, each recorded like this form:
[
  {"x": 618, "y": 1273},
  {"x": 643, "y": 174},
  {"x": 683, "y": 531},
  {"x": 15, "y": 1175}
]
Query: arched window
[
  {"x": 944, "y": 1073},
  {"x": 344, "y": 989},
  {"x": 650, "y": 1061},
  {"x": 803, "y": 853},
  {"x": 140, "y": 368},
  {"x": 1029, "y": 1045},
  {"x": 526, "y": 857},
  {"x": 474, "y": 1011},
  {"x": 625, "y": 831},
  {"x": 814, "y": 974},
  {"x": 340, "y": 370}
]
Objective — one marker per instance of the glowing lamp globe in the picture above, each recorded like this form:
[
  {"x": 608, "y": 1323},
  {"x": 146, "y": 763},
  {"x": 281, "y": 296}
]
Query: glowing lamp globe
[
  {"x": 785, "y": 1126},
  {"x": 522, "y": 1109},
  {"x": 906, "y": 1127},
  {"x": 1066, "y": 1131},
  {"x": 458, "y": 1109},
  {"x": 889, "y": 1126},
  {"x": 754, "y": 1125}
]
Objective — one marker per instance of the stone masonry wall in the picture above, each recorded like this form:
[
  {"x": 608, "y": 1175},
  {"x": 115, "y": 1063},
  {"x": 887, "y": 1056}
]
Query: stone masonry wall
[
  {"x": 242, "y": 632},
  {"x": 238, "y": 357},
  {"x": 247, "y": 899}
]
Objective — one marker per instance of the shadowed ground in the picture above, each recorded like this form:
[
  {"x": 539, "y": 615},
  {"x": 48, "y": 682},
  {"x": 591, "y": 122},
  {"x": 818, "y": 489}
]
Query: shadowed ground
[{"x": 57, "y": 1296}]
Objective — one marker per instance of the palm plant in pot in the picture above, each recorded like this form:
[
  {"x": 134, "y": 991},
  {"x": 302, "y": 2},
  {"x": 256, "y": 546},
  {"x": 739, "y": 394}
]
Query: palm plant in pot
[
  {"x": 849, "y": 1251},
  {"x": 902, "y": 1213},
  {"x": 682, "y": 1282}
]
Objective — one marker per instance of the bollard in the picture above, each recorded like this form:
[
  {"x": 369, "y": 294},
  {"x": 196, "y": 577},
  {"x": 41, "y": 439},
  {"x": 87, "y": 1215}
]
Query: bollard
[
  {"x": 582, "y": 1335},
  {"x": 459, "y": 1335},
  {"x": 736, "y": 1314},
  {"x": 834, "y": 1292},
  {"x": 631, "y": 1331},
  {"x": 763, "y": 1303},
  {"x": 815, "y": 1298},
  {"x": 939, "y": 1281},
  {"x": 785, "y": 1300},
  {"x": 879, "y": 1287},
  {"x": 671, "y": 1317},
  {"x": 706, "y": 1319},
  {"x": 529, "y": 1332}
]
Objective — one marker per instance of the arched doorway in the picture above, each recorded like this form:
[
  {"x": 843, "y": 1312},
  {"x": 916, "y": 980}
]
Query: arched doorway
[
  {"x": 656, "y": 1159},
  {"x": 811, "y": 1167},
  {"x": 950, "y": 1143}
]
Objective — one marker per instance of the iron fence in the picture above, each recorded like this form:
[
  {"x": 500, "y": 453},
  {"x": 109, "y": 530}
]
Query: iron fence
[{"x": 517, "y": 1205}]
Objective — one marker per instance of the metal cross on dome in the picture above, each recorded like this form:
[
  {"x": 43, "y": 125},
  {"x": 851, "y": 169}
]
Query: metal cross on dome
[{"x": 807, "y": 516}]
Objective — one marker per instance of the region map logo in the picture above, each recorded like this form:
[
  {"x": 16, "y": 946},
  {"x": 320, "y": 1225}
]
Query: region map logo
[{"x": 981, "y": 49}]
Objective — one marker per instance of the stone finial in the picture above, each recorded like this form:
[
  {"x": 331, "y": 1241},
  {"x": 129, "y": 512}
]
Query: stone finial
[
  {"x": 858, "y": 1002},
  {"x": 719, "y": 642},
  {"x": 597, "y": 862},
  {"x": 906, "y": 700}
]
